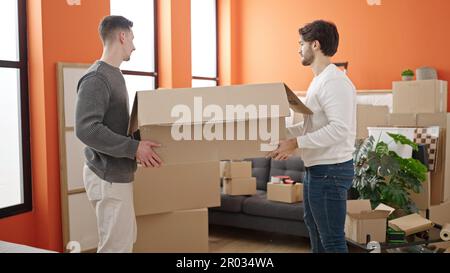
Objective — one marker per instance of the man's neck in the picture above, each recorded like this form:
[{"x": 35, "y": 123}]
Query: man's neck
[
  {"x": 112, "y": 57},
  {"x": 320, "y": 64}
]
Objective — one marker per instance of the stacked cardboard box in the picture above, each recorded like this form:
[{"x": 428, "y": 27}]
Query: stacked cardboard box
[
  {"x": 440, "y": 176},
  {"x": 428, "y": 96},
  {"x": 370, "y": 116},
  {"x": 183, "y": 231},
  {"x": 237, "y": 178},
  {"x": 284, "y": 189},
  {"x": 422, "y": 200},
  {"x": 421, "y": 104},
  {"x": 170, "y": 201}
]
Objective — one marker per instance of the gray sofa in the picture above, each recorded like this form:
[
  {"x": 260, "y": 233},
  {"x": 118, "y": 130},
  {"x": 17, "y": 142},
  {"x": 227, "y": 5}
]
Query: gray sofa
[{"x": 256, "y": 212}]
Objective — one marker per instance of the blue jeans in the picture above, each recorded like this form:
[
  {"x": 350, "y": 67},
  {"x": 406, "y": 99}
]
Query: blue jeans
[{"x": 325, "y": 203}]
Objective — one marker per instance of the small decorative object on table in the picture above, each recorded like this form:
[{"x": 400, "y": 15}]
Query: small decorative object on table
[{"x": 408, "y": 75}]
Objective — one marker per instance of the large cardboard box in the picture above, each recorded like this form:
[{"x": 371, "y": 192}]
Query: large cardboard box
[
  {"x": 199, "y": 125},
  {"x": 158, "y": 190},
  {"x": 361, "y": 222},
  {"x": 440, "y": 214},
  {"x": 370, "y": 116},
  {"x": 440, "y": 177},
  {"x": 239, "y": 186},
  {"x": 173, "y": 232},
  {"x": 411, "y": 224},
  {"x": 215, "y": 123},
  {"x": 422, "y": 200},
  {"x": 286, "y": 193},
  {"x": 235, "y": 169},
  {"x": 427, "y": 96}
]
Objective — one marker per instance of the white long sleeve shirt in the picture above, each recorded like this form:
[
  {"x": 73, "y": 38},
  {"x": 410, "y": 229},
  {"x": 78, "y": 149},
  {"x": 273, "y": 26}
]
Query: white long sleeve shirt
[{"x": 328, "y": 136}]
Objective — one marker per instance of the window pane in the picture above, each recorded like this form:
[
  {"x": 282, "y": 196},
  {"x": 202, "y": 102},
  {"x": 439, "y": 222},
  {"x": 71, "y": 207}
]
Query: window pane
[
  {"x": 141, "y": 12},
  {"x": 9, "y": 47},
  {"x": 11, "y": 191},
  {"x": 203, "y": 83},
  {"x": 138, "y": 83},
  {"x": 204, "y": 48}
]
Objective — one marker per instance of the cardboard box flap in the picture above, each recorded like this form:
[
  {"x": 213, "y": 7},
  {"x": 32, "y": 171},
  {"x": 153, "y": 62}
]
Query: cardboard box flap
[
  {"x": 383, "y": 207},
  {"x": 374, "y": 214},
  {"x": 187, "y": 106},
  {"x": 133, "y": 124},
  {"x": 358, "y": 206},
  {"x": 361, "y": 209},
  {"x": 411, "y": 224},
  {"x": 295, "y": 103}
]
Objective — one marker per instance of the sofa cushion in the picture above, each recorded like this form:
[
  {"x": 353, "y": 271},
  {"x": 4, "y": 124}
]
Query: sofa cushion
[
  {"x": 230, "y": 203},
  {"x": 293, "y": 167},
  {"x": 258, "y": 205},
  {"x": 260, "y": 170}
]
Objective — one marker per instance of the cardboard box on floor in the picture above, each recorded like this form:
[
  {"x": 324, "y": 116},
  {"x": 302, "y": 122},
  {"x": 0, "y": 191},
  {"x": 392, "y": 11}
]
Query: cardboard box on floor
[
  {"x": 239, "y": 186},
  {"x": 370, "y": 116},
  {"x": 427, "y": 96},
  {"x": 235, "y": 169},
  {"x": 152, "y": 117},
  {"x": 411, "y": 224},
  {"x": 440, "y": 177},
  {"x": 173, "y": 232},
  {"x": 362, "y": 221},
  {"x": 286, "y": 193}
]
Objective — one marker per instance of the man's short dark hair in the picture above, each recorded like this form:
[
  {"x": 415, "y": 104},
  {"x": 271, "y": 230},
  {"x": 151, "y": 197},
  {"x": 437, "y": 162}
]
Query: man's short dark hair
[
  {"x": 110, "y": 24},
  {"x": 324, "y": 32}
]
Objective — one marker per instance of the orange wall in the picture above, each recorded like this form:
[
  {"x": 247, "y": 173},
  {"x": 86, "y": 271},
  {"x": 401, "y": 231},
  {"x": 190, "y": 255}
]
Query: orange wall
[
  {"x": 174, "y": 43},
  {"x": 378, "y": 41}
]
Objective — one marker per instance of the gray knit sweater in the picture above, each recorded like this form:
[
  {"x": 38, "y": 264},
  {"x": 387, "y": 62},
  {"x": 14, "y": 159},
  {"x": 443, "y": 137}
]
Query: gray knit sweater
[{"x": 102, "y": 117}]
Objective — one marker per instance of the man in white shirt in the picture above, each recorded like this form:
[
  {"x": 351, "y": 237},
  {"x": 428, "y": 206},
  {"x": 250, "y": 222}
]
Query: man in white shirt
[{"x": 326, "y": 139}]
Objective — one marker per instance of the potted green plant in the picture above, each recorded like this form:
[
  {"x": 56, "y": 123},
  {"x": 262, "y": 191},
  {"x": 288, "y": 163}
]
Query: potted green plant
[
  {"x": 408, "y": 75},
  {"x": 382, "y": 176}
]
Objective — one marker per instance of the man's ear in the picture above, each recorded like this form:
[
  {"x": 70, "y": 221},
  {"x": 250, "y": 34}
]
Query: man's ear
[
  {"x": 122, "y": 36},
  {"x": 316, "y": 45}
]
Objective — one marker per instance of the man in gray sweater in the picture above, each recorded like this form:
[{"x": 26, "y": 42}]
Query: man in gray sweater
[{"x": 102, "y": 118}]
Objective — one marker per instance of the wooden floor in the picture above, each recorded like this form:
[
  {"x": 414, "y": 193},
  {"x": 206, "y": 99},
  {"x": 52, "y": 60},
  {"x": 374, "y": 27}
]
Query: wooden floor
[{"x": 235, "y": 240}]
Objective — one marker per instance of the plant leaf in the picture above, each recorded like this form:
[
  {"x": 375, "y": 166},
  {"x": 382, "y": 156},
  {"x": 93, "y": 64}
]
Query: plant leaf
[{"x": 401, "y": 139}]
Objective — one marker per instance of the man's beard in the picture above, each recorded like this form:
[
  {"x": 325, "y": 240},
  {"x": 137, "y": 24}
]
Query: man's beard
[{"x": 308, "y": 59}]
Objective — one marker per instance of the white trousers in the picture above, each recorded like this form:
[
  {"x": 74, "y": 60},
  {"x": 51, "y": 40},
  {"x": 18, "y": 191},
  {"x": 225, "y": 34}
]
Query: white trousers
[{"x": 114, "y": 208}]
